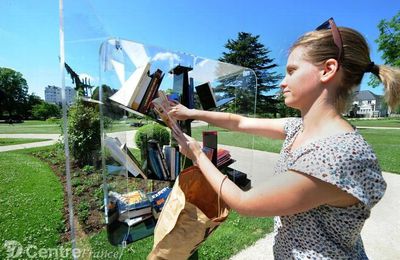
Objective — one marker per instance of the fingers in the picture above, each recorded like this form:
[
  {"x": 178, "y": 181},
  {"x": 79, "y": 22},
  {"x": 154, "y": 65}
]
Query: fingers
[{"x": 174, "y": 102}]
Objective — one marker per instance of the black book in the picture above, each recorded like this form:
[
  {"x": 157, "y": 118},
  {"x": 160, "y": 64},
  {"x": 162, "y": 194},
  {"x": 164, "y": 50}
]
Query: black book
[{"x": 206, "y": 96}]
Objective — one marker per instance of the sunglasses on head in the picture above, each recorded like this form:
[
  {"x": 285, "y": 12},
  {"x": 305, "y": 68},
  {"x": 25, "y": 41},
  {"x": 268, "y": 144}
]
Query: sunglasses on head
[{"x": 337, "y": 38}]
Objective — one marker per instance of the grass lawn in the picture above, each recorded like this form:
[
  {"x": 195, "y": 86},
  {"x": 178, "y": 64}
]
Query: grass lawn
[
  {"x": 31, "y": 127},
  {"x": 31, "y": 202},
  {"x": 387, "y": 122},
  {"x": 235, "y": 234},
  {"x": 385, "y": 142},
  {"x": 12, "y": 141}
]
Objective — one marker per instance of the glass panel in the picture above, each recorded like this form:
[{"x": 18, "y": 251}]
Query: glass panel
[
  {"x": 104, "y": 174},
  {"x": 131, "y": 74}
]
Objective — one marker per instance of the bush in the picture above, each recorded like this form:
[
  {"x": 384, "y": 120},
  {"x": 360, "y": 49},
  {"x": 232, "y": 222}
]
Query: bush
[
  {"x": 45, "y": 110},
  {"x": 152, "y": 131},
  {"x": 54, "y": 120},
  {"x": 84, "y": 133}
]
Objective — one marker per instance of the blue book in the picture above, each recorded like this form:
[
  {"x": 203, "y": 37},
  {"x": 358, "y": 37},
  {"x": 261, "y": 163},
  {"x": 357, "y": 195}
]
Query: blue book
[
  {"x": 154, "y": 163},
  {"x": 130, "y": 201},
  {"x": 158, "y": 198}
]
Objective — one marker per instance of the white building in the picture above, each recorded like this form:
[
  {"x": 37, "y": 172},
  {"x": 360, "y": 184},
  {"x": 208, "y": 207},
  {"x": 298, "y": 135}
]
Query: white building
[
  {"x": 52, "y": 94},
  {"x": 369, "y": 104}
]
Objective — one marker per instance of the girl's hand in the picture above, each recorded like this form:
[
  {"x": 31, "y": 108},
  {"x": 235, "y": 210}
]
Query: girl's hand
[
  {"x": 189, "y": 147},
  {"x": 180, "y": 112}
]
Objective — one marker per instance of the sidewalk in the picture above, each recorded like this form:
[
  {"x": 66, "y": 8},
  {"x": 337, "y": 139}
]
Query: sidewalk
[
  {"x": 53, "y": 139},
  {"x": 381, "y": 232},
  {"x": 127, "y": 136}
]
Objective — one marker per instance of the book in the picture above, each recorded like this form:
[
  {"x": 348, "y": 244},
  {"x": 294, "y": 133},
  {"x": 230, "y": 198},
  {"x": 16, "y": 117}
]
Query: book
[
  {"x": 156, "y": 151},
  {"x": 128, "y": 214},
  {"x": 131, "y": 205},
  {"x": 207, "y": 97},
  {"x": 129, "y": 91},
  {"x": 224, "y": 158},
  {"x": 121, "y": 233},
  {"x": 162, "y": 107},
  {"x": 131, "y": 200},
  {"x": 158, "y": 198},
  {"x": 210, "y": 140},
  {"x": 170, "y": 157},
  {"x": 134, "y": 159},
  {"x": 208, "y": 152},
  {"x": 133, "y": 221},
  {"x": 154, "y": 163},
  {"x": 151, "y": 91},
  {"x": 122, "y": 157}
]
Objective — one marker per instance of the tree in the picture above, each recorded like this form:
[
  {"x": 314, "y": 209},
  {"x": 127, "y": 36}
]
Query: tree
[
  {"x": 248, "y": 52},
  {"x": 45, "y": 110},
  {"x": 388, "y": 43},
  {"x": 13, "y": 92},
  {"x": 111, "y": 109},
  {"x": 32, "y": 100}
]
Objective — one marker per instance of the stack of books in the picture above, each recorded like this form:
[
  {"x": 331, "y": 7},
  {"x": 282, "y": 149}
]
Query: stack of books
[
  {"x": 137, "y": 93},
  {"x": 224, "y": 158},
  {"x": 133, "y": 207},
  {"x": 133, "y": 215},
  {"x": 164, "y": 164},
  {"x": 238, "y": 177}
]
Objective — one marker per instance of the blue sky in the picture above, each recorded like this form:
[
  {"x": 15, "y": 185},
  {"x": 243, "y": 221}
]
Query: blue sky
[{"x": 29, "y": 29}]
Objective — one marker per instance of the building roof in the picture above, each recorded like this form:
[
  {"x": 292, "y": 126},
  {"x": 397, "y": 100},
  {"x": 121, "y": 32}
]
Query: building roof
[{"x": 366, "y": 95}]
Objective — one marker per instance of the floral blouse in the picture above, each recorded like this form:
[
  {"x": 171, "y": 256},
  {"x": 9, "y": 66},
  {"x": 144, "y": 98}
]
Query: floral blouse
[{"x": 327, "y": 232}]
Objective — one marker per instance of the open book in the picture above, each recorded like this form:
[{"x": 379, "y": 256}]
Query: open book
[
  {"x": 139, "y": 90},
  {"x": 121, "y": 156},
  {"x": 130, "y": 90},
  {"x": 162, "y": 107}
]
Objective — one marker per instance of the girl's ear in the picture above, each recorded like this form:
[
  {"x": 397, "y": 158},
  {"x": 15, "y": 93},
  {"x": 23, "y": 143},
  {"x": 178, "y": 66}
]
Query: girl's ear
[{"x": 329, "y": 69}]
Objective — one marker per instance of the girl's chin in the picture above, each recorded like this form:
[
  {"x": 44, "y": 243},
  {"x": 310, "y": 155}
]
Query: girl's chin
[{"x": 290, "y": 103}]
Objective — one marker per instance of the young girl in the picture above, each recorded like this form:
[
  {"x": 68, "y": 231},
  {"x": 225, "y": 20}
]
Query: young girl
[{"x": 327, "y": 178}]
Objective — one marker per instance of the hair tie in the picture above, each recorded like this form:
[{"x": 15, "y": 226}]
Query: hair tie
[{"x": 370, "y": 67}]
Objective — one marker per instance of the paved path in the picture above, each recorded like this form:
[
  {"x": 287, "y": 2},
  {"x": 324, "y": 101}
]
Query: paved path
[
  {"x": 381, "y": 233},
  {"x": 53, "y": 139}
]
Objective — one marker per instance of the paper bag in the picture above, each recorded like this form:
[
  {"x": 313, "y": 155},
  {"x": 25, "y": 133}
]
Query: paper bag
[{"x": 192, "y": 212}]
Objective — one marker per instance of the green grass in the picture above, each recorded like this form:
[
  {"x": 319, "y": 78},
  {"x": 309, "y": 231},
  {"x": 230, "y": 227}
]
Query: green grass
[
  {"x": 12, "y": 141},
  {"x": 31, "y": 127},
  {"x": 241, "y": 139},
  {"x": 31, "y": 202},
  {"x": 386, "y": 144},
  {"x": 387, "y": 122},
  {"x": 235, "y": 234}
]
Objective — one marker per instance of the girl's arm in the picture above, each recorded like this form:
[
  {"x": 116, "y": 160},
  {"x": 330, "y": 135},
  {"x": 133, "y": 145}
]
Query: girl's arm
[
  {"x": 271, "y": 128},
  {"x": 284, "y": 194}
]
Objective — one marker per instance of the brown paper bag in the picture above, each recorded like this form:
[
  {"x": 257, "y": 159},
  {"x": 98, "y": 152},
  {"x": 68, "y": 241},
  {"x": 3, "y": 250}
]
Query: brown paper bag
[{"x": 191, "y": 213}]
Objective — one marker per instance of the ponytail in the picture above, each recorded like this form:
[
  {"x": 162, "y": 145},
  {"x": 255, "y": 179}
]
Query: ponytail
[{"x": 390, "y": 78}]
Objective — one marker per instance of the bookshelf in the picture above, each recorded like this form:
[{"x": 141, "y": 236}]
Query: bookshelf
[{"x": 136, "y": 71}]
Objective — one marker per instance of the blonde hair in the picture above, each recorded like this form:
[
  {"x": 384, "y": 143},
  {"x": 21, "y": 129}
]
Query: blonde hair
[{"x": 355, "y": 62}]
